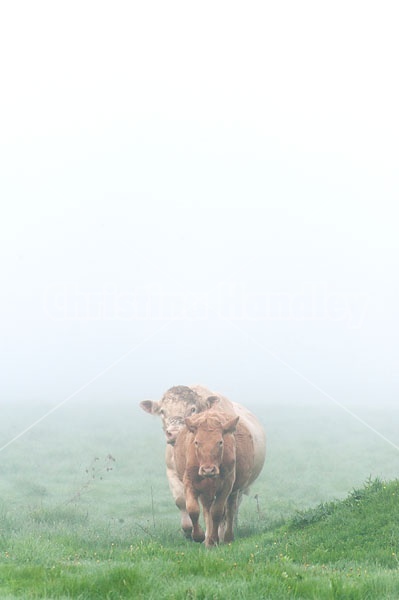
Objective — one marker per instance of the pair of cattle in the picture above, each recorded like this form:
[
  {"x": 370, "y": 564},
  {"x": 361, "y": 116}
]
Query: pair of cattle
[{"x": 215, "y": 450}]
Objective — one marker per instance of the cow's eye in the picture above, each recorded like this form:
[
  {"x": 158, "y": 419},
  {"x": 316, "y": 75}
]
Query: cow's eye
[
  {"x": 193, "y": 410},
  {"x": 196, "y": 443},
  {"x": 221, "y": 443},
  {"x": 162, "y": 412}
]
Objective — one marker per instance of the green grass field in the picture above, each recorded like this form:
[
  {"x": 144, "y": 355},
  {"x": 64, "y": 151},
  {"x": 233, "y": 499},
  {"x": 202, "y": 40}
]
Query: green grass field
[{"x": 85, "y": 510}]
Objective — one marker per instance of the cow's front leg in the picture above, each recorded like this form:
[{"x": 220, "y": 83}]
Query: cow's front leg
[
  {"x": 218, "y": 514},
  {"x": 216, "y": 518},
  {"x": 177, "y": 489},
  {"x": 186, "y": 522},
  {"x": 206, "y": 505},
  {"x": 193, "y": 509}
]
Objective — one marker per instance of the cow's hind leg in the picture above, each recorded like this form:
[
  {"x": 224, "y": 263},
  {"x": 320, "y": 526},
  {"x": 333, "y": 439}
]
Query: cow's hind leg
[{"x": 231, "y": 515}]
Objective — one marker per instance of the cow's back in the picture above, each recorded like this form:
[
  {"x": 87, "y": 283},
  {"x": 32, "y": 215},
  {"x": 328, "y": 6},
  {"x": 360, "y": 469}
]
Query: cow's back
[
  {"x": 251, "y": 446},
  {"x": 224, "y": 404}
]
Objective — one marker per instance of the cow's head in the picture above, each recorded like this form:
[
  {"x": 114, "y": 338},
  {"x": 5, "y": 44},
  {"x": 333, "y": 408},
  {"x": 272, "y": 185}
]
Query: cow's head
[
  {"x": 176, "y": 404},
  {"x": 210, "y": 433}
]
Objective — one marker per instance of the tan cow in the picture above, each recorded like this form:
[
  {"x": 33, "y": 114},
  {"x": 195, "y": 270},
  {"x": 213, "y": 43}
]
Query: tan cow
[
  {"x": 182, "y": 401},
  {"x": 214, "y": 458}
]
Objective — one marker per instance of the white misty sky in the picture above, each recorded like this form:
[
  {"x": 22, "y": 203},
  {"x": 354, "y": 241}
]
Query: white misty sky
[{"x": 243, "y": 155}]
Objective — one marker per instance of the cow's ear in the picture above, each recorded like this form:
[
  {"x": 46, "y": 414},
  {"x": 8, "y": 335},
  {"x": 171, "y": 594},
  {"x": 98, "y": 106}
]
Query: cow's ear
[
  {"x": 190, "y": 425},
  {"x": 149, "y": 406},
  {"x": 211, "y": 401},
  {"x": 230, "y": 426}
]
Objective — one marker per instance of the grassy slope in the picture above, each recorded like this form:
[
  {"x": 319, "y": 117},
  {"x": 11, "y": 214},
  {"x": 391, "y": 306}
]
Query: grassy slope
[{"x": 344, "y": 549}]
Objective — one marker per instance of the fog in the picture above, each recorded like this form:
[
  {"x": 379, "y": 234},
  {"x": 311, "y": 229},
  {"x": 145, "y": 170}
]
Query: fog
[{"x": 199, "y": 193}]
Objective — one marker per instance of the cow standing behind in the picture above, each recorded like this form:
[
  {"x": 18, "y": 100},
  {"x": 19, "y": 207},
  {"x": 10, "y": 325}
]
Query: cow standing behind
[{"x": 176, "y": 405}]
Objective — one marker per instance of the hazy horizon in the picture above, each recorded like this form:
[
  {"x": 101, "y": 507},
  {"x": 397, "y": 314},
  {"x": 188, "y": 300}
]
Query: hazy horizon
[{"x": 199, "y": 194}]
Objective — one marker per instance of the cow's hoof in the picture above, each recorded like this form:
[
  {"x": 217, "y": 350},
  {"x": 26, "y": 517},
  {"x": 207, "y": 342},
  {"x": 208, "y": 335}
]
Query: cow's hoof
[
  {"x": 187, "y": 531},
  {"x": 199, "y": 536},
  {"x": 210, "y": 543}
]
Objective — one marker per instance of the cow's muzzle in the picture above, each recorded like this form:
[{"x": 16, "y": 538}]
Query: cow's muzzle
[
  {"x": 171, "y": 435},
  {"x": 210, "y": 472}
]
